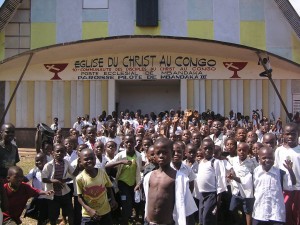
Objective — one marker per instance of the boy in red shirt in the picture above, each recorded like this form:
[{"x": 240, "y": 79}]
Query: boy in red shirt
[{"x": 18, "y": 193}]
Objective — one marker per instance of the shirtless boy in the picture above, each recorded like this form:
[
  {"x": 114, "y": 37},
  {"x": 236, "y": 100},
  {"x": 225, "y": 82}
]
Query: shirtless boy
[{"x": 160, "y": 186}]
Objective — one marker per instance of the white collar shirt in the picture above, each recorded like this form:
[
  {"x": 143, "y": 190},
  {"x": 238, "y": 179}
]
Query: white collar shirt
[{"x": 269, "y": 201}]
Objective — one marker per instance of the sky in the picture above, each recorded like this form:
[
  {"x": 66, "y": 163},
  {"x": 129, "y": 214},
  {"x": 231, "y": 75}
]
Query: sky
[{"x": 295, "y": 3}]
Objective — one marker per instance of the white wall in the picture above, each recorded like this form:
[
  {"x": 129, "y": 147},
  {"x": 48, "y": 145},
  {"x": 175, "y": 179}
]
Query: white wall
[{"x": 148, "y": 95}]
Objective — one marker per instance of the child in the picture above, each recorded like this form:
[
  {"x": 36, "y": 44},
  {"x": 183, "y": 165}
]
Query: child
[
  {"x": 91, "y": 137},
  {"x": 209, "y": 183},
  {"x": 110, "y": 150},
  {"x": 18, "y": 194},
  {"x": 77, "y": 206},
  {"x": 230, "y": 147},
  {"x": 269, "y": 139},
  {"x": 47, "y": 149},
  {"x": 250, "y": 141},
  {"x": 129, "y": 164},
  {"x": 190, "y": 154},
  {"x": 217, "y": 135},
  {"x": 55, "y": 174},
  {"x": 3, "y": 201},
  {"x": 241, "y": 134},
  {"x": 242, "y": 187},
  {"x": 100, "y": 157},
  {"x": 162, "y": 205},
  {"x": 71, "y": 153},
  {"x": 9, "y": 155},
  {"x": 146, "y": 143},
  {"x": 35, "y": 175},
  {"x": 268, "y": 183},
  {"x": 255, "y": 150},
  {"x": 92, "y": 187},
  {"x": 111, "y": 128},
  {"x": 290, "y": 150}
]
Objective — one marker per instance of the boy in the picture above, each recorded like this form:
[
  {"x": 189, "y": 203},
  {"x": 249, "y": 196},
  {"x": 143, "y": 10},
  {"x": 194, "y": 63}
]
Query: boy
[
  {"x": 35, "y": 175},
  {"x": 101, "y": 159},
  {"x": 160, "y": 187},
  {"x": 242, "y": 187},
  {"x": 9, "y": 155},
  {"x": 269, "y": 139},
  {"x": 92, "y": 187},
  {"x": 290, "y": 150},
  {"x": 268, "y": 181},
  {"x": 18, "y": 194},
  {"x": 129, "y": 165},
  {"x": 55, "y": 174},
  {"x": 210, "y": 184}
]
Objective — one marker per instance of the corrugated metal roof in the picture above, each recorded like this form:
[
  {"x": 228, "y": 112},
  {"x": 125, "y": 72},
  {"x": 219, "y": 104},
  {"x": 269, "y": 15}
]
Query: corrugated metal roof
[
  {"x": 7, "y": 11},
  {"x": 290, "y": 14}
]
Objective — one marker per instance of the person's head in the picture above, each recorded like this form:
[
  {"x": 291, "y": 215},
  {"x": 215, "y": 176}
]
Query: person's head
[
  {"x": 172, "y": 137},
  {"x": 138, "y": 141},
  {"x": 252, "y": 134},
  {"x": 69, "y": 144},
  {"x": 207, "y": 148},
  {"x": 217, "y": 127},
  {"x": 146, "y": 143},
  {"x": 241, "y": 134},
  {"x": 79, "y": 119},
  {"x": 150, "y": 154},
  {"x": 190, "y": 152},
  {"x": 80, "y": 148},
  {"x": 154, "y": 137},
  {"x": 129, "y": 143},
  {"x": 204, "y": 130},
  {"x": 7, "y": 132},
  {"x": 196, "y": 138},
  {"x": 15, "y": 176},
  {"x": 250, "y": 141},
  {"x": 87, "y": 159},
  {"x": 217, "y": 152},
  {"x": 163, "y": 151},
  {"x": 74, "y": 132},
  {"x": 186, "y": 136},
  {"x": 140, "y": 130},
  {"x": 59, "y": 138},
  {"x": 91, "y": 134},
  {"x": 110, "y": 148},
  {"x": 47, "y": 148},
  {"x": 99, "y": 149},
  {"x": 199, "y": 155},
  {"x": 227, "y": 123},
  {"x": 40, "y": 160},
  {"x": 291, "y": 134},
  {"x": 231, "y": 146},
  {"x": 266, "y": 158},
  {"x": 255, "y": 148},
  {"x": 269, "y": 139},
  {"x": 59, "y": 152},
  {"x": 242, "y": 150},
  {"x": 178, "y": 149},
  {"x": 55, "y": 120},
  {"x": 111, "y": 127}
]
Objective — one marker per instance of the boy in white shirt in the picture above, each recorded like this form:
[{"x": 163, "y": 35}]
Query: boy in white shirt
[
  {"x": 290, "y": 150},
  {"x": 210, "y": 184},
  {"x": 268, "y": 181},
  {"x": 242, "y": 184}
]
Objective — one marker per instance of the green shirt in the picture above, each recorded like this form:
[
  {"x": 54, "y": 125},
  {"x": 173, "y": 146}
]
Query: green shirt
[{"x": 128, "y": 172}]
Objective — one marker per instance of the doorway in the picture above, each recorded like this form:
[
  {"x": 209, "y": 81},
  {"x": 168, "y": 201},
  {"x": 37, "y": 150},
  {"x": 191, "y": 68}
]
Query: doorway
[{"x": 149, "y": 96}]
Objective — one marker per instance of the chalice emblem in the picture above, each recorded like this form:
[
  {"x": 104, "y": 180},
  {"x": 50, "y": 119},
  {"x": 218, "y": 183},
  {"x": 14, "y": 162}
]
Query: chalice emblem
[
  {"x": 56, "y": 68},
  {"x": 235, "y": 67}
]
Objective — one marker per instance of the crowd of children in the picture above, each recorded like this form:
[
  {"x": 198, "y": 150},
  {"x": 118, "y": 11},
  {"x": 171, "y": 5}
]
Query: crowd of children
[{"x": 180, "y": 168}]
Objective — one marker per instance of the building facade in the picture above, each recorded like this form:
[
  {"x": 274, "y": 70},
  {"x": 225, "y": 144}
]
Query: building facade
[{"x": 94, "y": 55}]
